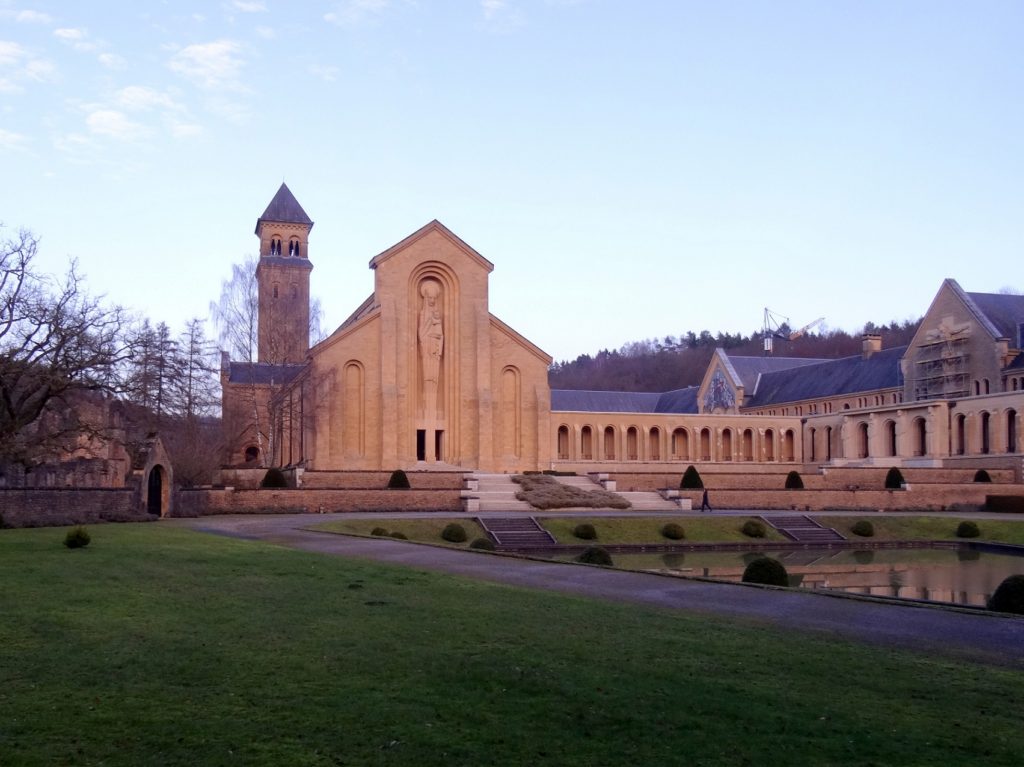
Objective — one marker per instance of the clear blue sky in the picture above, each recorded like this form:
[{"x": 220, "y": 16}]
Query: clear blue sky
[{"x": 632, "y": 169}]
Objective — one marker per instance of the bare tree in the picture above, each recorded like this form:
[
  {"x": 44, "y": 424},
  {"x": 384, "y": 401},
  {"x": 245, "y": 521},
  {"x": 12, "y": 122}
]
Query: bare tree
[{"x": 55, "y": 341}]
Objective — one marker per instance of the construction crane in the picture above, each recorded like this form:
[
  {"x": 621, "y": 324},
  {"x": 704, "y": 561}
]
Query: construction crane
[{"x": 773, "y": 323}]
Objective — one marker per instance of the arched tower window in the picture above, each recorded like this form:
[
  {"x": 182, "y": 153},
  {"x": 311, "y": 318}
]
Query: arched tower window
[
  {"x": 275, "y": 246},
  {"x": 293, "y": 247}
]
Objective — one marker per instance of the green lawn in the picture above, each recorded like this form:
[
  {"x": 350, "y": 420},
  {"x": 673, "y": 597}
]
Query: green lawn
[
  {"x": 159, "y": 646},
  {"x": 425, "y": 530},
  {"x": 893, "y": 528}
]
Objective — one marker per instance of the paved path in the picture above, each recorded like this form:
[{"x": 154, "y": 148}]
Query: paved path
[{"x": 976, "y": 635}]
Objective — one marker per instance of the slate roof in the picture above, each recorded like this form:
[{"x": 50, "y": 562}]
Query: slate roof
[
  {"x": 829, "y": 378},
  {"x": 677, "y": 401},
  {"x": 284, "y": 208},
  {"x": 263, "y": 373},
  {"x": 1005, "y": 312},
  {"x": 1017, "y": 364},
  {"x": 747, "y": 369}
]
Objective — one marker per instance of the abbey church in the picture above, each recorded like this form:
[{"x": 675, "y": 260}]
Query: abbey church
[{"x": 421, "y": 375}]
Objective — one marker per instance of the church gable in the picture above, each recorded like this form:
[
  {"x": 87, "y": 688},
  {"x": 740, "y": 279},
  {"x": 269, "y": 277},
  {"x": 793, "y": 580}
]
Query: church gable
[{"x": 721, "y": 389}]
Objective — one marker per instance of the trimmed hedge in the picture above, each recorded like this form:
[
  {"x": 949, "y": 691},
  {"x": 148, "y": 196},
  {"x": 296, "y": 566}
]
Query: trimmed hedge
[
  {"x": 752, "y": 528},
  {"x": 378, "y": 531},
  {"x": 691, "y": 479},
  {"x": 484, "y": 544},
  {"x": 585, "y": 532},
  {"x": 77, "y": 538},
  {"x": 454, "y": 533},
  {"x": 399, "y": 535},
  {"x": 673, "y": 531},
  {"x": 967, "y": 529},
  {"x": 863, "y": 528},
  {"x": 1009, "y": 596},
  {"x": 595, "y": 555},
  {"x": 766, "y": 570}
]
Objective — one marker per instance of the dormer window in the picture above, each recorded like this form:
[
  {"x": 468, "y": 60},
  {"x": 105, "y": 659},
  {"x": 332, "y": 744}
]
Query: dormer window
[{"x": 275, "y": 246}]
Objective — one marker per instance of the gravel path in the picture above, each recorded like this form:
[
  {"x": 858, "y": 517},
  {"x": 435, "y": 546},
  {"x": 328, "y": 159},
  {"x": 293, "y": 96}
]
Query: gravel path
[{"x": 947, "y": 631}]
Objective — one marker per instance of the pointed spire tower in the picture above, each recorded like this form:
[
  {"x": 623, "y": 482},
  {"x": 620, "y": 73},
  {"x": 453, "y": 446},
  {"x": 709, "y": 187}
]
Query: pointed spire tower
[{"x": 283, "y": 279}]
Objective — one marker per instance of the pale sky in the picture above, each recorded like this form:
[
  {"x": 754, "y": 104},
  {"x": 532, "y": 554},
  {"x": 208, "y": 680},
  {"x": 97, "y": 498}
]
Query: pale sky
[{"x": 632, "y": 169}]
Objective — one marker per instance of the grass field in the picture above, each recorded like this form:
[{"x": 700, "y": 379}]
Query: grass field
[
  {"x": 160, "y": 646},
  {"x": 426, "y": 530},
  {"x": 648, "y": 529},
  {"x": 924, "y": 528}
]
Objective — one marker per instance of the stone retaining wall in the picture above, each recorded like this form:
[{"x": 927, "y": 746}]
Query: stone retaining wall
[
  {"x": 47, "y": 507},
  {"x": 196, "y": 503},
  {"x": 420, "y": 480}
]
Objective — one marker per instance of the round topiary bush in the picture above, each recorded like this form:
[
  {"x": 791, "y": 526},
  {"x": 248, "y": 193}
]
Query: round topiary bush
[
  {"x": 893, "y": 479},
  {"x": 967, "y": 529},
  {"x": 378, "y": 531},
  {"x": 982, "y": 476},
  {"x": 863, "y": 528},
  {"x": 485, "y": 544},
  {"x": 753, "y": 529},
  {"x": 793, "y": 481},
  {"x": 274, "y": 478},
  {"x": 691, "y": 479},
  {"x": 454, "y": 533},
  {"x": 595, "y": 555},
  {"x": 673, "y": 532},
  {"x": 77, "y": 538},
  {"x": 399, "y": 535},
  {"x": 766, "y": 570},
  {"x": 585, "y": 532},
  {"x": 398, "y": 480},
  {"x": 1009, "y": 596}
]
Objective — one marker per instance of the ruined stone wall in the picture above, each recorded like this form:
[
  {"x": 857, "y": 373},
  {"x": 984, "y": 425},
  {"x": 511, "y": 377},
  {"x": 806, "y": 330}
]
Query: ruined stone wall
[{"x": 45, "y": 507}]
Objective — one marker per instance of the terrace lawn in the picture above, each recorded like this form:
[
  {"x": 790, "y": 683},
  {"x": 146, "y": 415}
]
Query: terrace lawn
[
  {"x": 612, "y": 530},
  {"x": 424, "y": 530},
  {"x": 161, "y": 646},
  {"x": 899, "y": 528}
]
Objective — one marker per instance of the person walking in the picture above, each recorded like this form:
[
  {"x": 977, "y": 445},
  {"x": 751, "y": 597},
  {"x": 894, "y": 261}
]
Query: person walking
[{"x": 704, "y": 504}]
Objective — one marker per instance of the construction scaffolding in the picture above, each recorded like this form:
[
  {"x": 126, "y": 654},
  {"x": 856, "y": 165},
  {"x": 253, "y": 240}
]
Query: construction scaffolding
[{"x": 942, "y": 369}]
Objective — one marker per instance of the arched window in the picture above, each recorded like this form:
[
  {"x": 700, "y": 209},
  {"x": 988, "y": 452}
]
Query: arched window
[
  {"x": 680, "y": 444},
  {"x": 985, "y": 444},
  {"x": 985, "y": 384},
  {"x": 961, "y": 434},
  {"x": 632, "y": 444},
  {"x": 828, "y": 443},
  {"x": 293, "y": 247},
  {"x": 587, "y": 443},
  {"x": 890, "y": 437},
  {"x": 977, "y": 388},
  {"x": 705, "y": 444},
  {"x": 726, "y": 444},
  {"x": 787, "y": 445},
  {"x": 865, "y": 451},
  {"x": 814, "y": 452},
  {"x": 920, "y": 436},
  {"x": 563, "y": 443},
  {"x": 747, "y": 448},
  {"x": 1011, "y": 431},
  {"x": 251, "y": 453},
  {"x": 769, "y": 445}
]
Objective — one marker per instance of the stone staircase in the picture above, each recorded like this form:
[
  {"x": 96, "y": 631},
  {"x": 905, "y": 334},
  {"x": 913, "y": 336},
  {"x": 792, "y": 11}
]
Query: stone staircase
[
  {"x": 641, "y": 501},
  {"x": 497, "y": 492},
  {"x": 516, "y": 532},
  {"x": 801, "y": 528}
]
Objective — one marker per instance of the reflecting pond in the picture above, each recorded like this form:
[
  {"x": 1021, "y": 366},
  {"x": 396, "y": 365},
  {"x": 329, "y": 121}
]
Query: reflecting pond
[{"x": 957, "y": 576}]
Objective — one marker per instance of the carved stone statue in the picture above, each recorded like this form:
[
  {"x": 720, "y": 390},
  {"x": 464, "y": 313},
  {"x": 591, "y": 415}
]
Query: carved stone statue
[{"x": 431, "y": 330}]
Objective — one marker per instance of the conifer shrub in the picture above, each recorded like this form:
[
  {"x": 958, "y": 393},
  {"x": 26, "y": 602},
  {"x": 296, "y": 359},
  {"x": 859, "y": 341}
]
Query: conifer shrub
[
  {"x": 77, "y": 538},
  {"x": 982, "y": 476},
  {"x": 863, "y": 528},
  {"x": 398, "y": 480},
  {"x": 752, "y": 528},
  {"x": 595, "y": 555},
  {"x": 585, "y": 532},
  {"x": 893, "y": 479},
  {"x": 399, "y": 535},
  {"x": 673, "y": 531},
  {"x": 1008, "y": 596},
  {"x": 274, "y": 478},
  {"x": 454, "y": 533},
  {"x": 484, "y": 544},
  {"x": 793, "y": 481},
  {"x": 767, "y": 571},
  {"x": 378, "y": 531},
  {"x": 967, "y": 529},
  {"x": 691, "y": 479}
]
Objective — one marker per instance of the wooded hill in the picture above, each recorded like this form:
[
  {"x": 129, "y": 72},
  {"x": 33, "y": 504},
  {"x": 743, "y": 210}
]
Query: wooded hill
[{"x": 674, "y": 362}]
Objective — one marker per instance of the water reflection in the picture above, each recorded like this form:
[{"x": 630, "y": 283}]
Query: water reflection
[{"x": 965, "y": 576}]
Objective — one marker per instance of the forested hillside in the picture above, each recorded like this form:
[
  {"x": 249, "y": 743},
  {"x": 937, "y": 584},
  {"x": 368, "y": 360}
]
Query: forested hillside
[{"x": 678, "y": 361}]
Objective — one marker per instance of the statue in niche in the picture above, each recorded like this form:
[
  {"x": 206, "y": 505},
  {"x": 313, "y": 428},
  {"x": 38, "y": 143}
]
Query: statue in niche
[{"x": 431, "y": 331}]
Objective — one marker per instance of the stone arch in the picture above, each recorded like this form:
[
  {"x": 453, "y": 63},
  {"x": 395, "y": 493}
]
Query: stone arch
[
  {"x": 632, "y": 444},
  {"x": 587, "y": 443},
  {"x": 788, "y": 445},
  {"x": 960, "y": 434},
  {"x": 562, "y": 446},
  {"x": 726, "y": 444},
  {"x": 769, "y": 444},
  {"x": 680, "y": 444},
  {"x": 608, "y": 443},
  {"x": 986, "y": 432},
  {"x": 747, "y": 445},
  {"x": 654, "y": 444},
  {"x": 1011, "y": 431},
  {"x": 158, "y": 491},
  {"x": 920, "y": 436},
  {"x": 890, "y": 438},
  {"x": 863, "y": 440},
  {"x": 705, "y": 444},
  {"x": 251, "y": 454},
  {"x": 829, "y": 443},
  {"x": 511, "y": 412},
  {"x": 812, "y": 436}
]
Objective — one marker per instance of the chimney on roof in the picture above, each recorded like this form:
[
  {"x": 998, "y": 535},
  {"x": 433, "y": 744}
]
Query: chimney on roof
[{"x": 871, "y": 343}]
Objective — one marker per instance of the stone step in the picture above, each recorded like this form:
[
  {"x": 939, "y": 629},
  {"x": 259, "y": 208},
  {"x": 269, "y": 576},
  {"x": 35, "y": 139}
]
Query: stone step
[{"x": 516, "y": 532}]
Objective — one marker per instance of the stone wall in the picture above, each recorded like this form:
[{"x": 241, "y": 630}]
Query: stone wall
[
  {"x": 202, "y": 502},
  {"x": 420, "y": 480},
  {"x": 45, "y": 507}
]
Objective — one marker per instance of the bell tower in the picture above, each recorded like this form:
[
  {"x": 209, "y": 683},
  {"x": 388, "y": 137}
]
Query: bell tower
[{"x": 282, "y": 276}]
